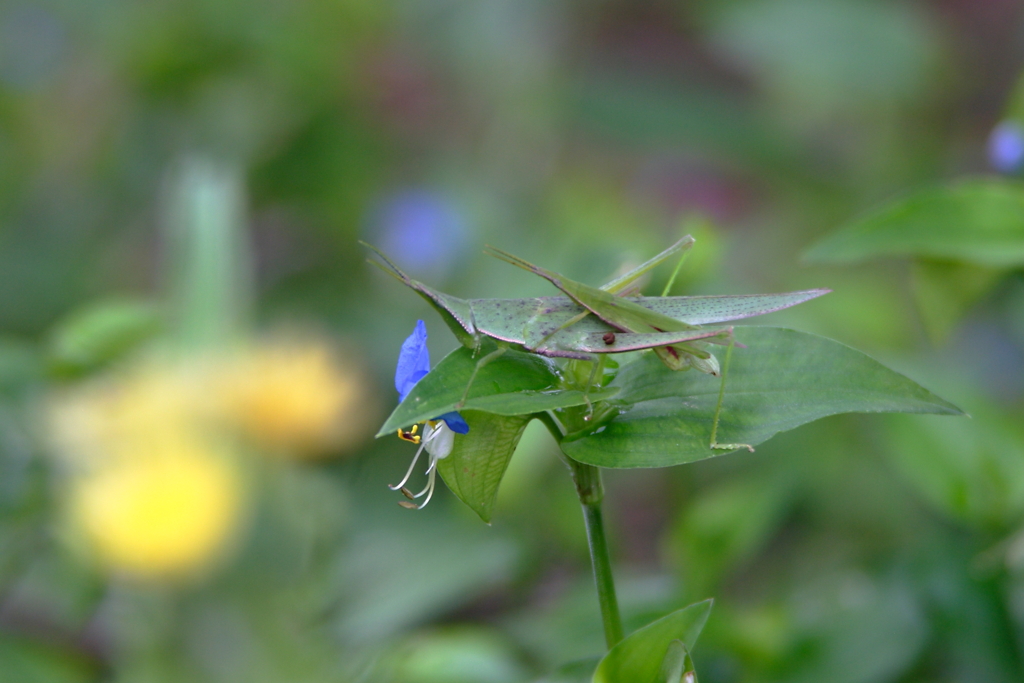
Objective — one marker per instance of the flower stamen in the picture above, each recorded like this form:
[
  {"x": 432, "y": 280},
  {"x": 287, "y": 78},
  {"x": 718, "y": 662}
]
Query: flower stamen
[
  {"x": 410, "y": 435},
  {"x": 408, "y": 472}
]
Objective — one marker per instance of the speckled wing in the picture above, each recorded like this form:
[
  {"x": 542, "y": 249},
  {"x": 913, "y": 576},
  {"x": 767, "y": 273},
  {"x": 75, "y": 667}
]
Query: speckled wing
[{"x": 541, "y": 323}]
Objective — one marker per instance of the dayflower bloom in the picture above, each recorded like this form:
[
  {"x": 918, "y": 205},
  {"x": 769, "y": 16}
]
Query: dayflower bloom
[
  {"x": 425, "y": 231},
  {"x": 1006, "y": 147},
  {"x": 438, "y": 437}
]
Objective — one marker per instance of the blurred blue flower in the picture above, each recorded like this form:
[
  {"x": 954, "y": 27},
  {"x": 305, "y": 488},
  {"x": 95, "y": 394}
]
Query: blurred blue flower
[
  {"x": 422, "y": 230},
  {"x": 1006, "y": 147},
  {"x": 438, "y": 437}
]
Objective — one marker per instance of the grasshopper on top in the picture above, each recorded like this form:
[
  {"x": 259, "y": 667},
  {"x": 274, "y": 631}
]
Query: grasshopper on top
[{"x": 593, "y": 321}]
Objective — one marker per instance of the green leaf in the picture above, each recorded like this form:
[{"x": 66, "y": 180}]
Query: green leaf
[
  {"x": 676, "y": 664},
  {"x": 101, "y": 332},
  {"x": 969, "y": 470},
  {"x": 24, "y": 659},
  {"x": 783, "y": 379},
  {"x": 979, "y": 220},
  {"x": 578, "y": 671},
  {"x": 478, "y": 460},
  {"x": 944, "y": 290},
  {"x": 638, "y": 658},
  {"x": 514, "y": 383}
]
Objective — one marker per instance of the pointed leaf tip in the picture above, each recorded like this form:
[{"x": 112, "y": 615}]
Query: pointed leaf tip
[{"x": 783, "y": 379}]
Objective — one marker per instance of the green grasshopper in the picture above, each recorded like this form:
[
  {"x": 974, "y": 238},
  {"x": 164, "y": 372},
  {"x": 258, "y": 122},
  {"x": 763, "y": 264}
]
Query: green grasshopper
[
  {"x": 629, "y": 317},
  {"x": 592, "y": 321}
]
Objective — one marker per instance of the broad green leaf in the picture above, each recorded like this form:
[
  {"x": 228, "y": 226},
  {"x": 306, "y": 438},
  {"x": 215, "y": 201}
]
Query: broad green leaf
[
  {"x": 515, "y": 383},
  {"x": 979, "y": 220},
  {"x": 783, "y": 379},
  {"x": 944, "y": 290},
  {"x": 638, "y": 658},
  {"x": 101, "y": 332},
  {"x": 677, "y": 663},
  {"x": 474, "y": 469}
]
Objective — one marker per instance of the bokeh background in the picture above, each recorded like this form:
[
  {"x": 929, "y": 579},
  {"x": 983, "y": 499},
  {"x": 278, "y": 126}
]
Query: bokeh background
[{"x": 194, "y": 354}]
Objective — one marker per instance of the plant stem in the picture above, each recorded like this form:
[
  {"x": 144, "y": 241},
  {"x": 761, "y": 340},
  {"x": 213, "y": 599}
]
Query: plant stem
[
  {"x": 587, "y": 479},
  {"x": 588, "y": 486}
]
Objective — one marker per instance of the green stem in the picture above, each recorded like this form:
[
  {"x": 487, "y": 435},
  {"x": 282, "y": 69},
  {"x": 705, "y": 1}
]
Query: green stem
[
  {"x": 588, "y": 486},
  {"x": 587, "y": 479}
]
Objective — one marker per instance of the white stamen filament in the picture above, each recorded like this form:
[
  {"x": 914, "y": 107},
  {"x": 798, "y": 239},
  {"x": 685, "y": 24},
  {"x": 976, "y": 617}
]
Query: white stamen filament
[
  {"x": 438, "y": 441},
  {"x": 429, "y": 489},
  {"x": 408, "y": 472}
]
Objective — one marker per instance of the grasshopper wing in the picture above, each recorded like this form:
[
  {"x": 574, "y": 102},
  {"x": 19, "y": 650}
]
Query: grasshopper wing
[
  {"x": 622, "y": 314},
  {"x": 704, "y": 310}
]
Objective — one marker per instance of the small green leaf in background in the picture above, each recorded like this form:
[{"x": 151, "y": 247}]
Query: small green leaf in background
[
  {"x": 677, "y": 664},
  {"x": 978, "y": 220},
  {"x": 390, "y": 576},
  {"x": 724, "y": 526},
  {"x": 464, "y": 654},
  {"x": 578, "y": 671},
  {"x": 944, "y": 290},
  {"x": 515, "y": 383},
  {"x": 858, "y": 628},
  {"x": 781, "y": 380},
  {"x": 20, "y": 365},
  {"x": 23, "y": 660},
  {"x": 638, "y": 658},
  {"x": 969, "y": 470},
  {"x": 474, "y": 469},
  {"x": 100, "y": 332}
]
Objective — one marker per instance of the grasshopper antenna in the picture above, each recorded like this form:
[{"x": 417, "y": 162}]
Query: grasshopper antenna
[{"x": 389, "y": 266}]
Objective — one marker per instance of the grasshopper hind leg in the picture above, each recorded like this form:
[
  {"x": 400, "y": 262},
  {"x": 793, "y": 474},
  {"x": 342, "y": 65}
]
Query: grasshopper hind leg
[
  {"x": 718, "y": 409},
  {"x": 595, "y": 371},
  {"x": 492, "y": 356}
]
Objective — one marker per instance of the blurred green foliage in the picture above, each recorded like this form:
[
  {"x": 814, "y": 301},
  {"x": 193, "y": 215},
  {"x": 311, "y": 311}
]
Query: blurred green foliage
[{"x": 581, "y": 136}]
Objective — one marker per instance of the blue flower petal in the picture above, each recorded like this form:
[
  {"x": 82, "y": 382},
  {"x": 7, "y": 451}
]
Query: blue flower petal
[
  {"x": 413, "y": 361},
  {"x": 455, "y": 422}
]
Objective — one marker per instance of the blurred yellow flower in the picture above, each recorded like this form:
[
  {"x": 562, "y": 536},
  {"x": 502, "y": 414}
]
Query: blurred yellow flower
[
  {"x": 296, "y": 397},
  {"x": 151, "y": 485},
  {"x": 167, "y": 512},
  {"x": 99, "y": 421}
]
